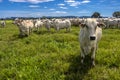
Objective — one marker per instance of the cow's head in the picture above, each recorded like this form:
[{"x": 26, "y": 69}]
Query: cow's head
[
  {"x": 18, "y": 21},
  {"x": 90, "y": 26}
]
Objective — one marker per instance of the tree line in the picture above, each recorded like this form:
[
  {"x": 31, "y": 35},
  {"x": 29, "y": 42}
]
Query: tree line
[{"x": 98, "y": 15}]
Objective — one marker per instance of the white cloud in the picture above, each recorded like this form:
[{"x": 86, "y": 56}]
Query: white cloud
[
  {"x": 70, "y": 1},
  {"x": 39, "y": 1},
  {"x": 33, "y": 6},
  {"x": 45, "y": 7},
  {"x": 61, "y": 4},
  {"x": 60, "y": 12},
  {"x": 13, "y": 13},
  {"x": 0, "y": 0},
  {"x": 76, "y": 7},
  {"x": 20, "y": 13},
  {"x": 36, "y": 14},
  {"x": 75, "y": 3},
  {"x": 83, "y": 11},
  {"x": 63, "y": 7},
  {"x": 17, "y": 0},
  {"x": 85, "y": 1},
  {"x": 51, "y": 9},
  {"x": 31, "y": 1}
]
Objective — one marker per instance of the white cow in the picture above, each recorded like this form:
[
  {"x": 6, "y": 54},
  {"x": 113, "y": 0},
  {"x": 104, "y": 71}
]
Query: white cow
[
  {"x": 25, "y": 26},
  {"x": 76, "y": 21},
  {"x": 3, "y": 23},
  {"x": 38, "y": 24},
  {"x": 90, "y": 34},
  {"x": 61, "y": 24},
  {"x": 48, "y": 24},
  {"x": 111, "y": 23}
]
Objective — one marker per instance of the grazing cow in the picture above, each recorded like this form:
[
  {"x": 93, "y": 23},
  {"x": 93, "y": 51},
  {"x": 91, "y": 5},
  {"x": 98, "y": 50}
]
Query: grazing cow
[
  {"x": 111, "y": 23},
  {"x": 25, "y": 26},
  {"x": 59, "y": 24},
  {"x": 75, "y": 21},
  {"x": 90, "y": 34},
  {"x": 48, "y": 24},
  {"x": 38, "y": 24},
  {"x": 3, "y": 23}
]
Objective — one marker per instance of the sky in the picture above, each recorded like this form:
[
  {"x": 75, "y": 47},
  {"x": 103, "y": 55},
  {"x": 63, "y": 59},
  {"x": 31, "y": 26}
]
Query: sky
[{"x": 39, "y": 8}]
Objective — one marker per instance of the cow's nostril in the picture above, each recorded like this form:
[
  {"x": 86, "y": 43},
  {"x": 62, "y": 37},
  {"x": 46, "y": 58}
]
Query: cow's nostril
[{"x": 92, "y": 37}]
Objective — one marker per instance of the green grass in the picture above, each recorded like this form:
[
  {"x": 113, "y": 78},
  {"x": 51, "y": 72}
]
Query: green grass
[{"x": 56, "y": 56}]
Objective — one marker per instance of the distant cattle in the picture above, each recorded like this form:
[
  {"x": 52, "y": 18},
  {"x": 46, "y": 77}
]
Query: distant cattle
[
  {"x": 61, "y": 24},
  {"x": 75, "y": 21},
  {"x": 112, "y": 22},
  {"x": 3, "y": 23},
  {"x": 49, "y": 24},
  {"x": 25, "y": 26},
  {"x": 90, "y": 35},
  {"x": 38, "y": 24}
]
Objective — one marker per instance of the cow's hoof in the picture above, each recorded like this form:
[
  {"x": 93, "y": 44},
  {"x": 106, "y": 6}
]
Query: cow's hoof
[
  {"x": 93, "y": 64},
  {"x": 81, "y": 61}
]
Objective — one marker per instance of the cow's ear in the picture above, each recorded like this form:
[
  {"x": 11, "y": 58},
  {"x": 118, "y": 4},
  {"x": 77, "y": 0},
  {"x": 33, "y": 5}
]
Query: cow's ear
[
  {"x": 101, "y": 25},
  {"x": 82, "y": 25}
]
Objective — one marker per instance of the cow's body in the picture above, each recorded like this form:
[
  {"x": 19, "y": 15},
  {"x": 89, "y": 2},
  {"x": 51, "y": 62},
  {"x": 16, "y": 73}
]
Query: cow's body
[
  {"x": 25, "y": 26},
  {"x": 90, "y": 34},
  {"x": 3, "y": 23},
  {"x": 59, "y": 24},
  {"x": 38, "y": 24}
]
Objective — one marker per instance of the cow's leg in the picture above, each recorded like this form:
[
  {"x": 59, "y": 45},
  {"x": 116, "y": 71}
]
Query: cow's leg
[
  {"x": 21, "y": 32},
  {"x": 48, "y": 28},
  {"x": 82, "y": 55},
  {"x": 68, "y": 29},
  {"x": 58, "y": 29},
  {"x": 93, "y": 56},
  {"x": 28, "y": 31},
  {"x": 38, "y": 28},
  {"x": 31, "y": 30},
  {"x": 96, "y": 46}
]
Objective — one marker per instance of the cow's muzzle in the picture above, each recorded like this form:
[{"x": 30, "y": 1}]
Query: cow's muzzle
[{"x": 92, "y": 37}]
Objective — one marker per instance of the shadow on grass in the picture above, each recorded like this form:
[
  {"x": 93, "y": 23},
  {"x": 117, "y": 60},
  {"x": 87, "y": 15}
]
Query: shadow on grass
[
  {"x": 43, "y": 32},
  {"x": 78, "y": 71},
  {"x": 16, "y": 37}
]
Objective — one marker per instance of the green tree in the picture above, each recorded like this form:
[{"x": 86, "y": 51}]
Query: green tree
[
  {"x": 116, "y": 14},
  {"x": 43, "y": 17},
  {"x": 96, "y": 15}
]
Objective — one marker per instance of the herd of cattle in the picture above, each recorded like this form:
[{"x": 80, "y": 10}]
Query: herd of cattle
[
  {"x": 26, "y": 26},
  {"x": 90, "y": 30}
]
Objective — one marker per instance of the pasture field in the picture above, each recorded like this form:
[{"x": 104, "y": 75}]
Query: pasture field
[{"x": 56, "y": 56}]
